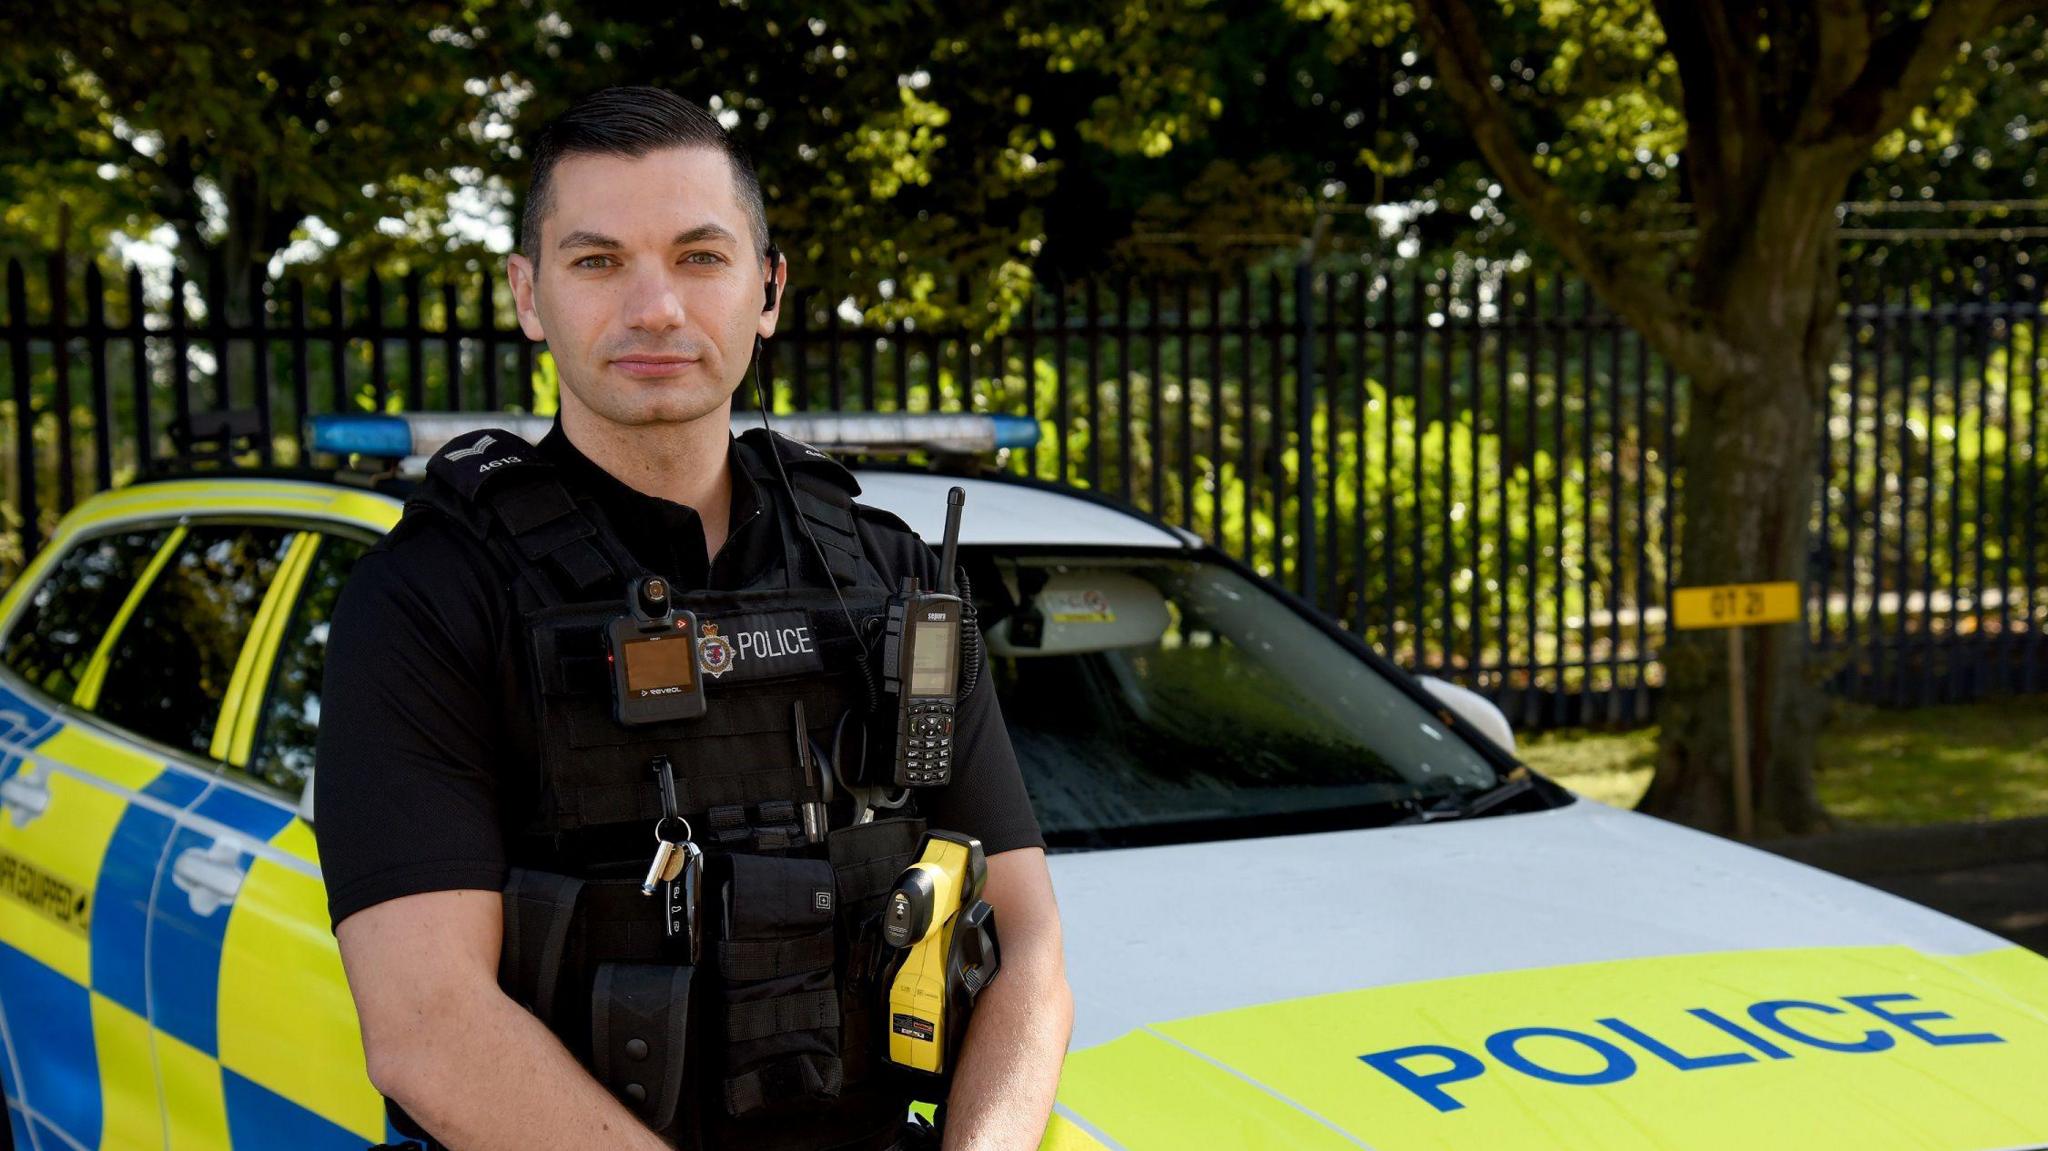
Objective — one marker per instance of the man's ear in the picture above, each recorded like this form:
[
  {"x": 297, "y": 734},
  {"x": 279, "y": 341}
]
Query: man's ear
[
  {"x": 519, "y": 272},
  {"x": 778, "y": 280}
]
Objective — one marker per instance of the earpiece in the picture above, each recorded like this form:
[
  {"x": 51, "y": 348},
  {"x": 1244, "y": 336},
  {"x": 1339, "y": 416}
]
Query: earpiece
[{"x": 768, "y": 289}]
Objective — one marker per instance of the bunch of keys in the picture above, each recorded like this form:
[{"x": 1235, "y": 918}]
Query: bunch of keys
[{"x": 678, "y": 867}]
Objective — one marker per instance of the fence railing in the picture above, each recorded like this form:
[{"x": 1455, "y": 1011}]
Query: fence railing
[{"x": 1471, "y": 468}]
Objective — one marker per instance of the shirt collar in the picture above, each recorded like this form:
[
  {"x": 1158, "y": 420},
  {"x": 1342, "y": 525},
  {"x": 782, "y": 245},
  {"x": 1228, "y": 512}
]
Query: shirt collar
[{"x": 665, "y": 536}]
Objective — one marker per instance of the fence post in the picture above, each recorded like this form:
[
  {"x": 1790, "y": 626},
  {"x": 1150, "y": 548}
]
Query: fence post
[
  {"x": 60, "y": 368},
  {"x": 259, "y": 322},
  {"x": 96, "y": 357},
  {"x": 24, "y": 407},
  {"x": 138, "y": 373},
  {"x": 1304, "y": 432}
]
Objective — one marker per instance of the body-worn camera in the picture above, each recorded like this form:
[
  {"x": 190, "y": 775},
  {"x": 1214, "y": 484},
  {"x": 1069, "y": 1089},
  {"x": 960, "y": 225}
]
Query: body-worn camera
[{"x": 653, "y": 653}]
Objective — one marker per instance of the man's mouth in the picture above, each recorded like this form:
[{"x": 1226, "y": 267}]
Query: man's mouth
[{"x": 652, "y": 365}]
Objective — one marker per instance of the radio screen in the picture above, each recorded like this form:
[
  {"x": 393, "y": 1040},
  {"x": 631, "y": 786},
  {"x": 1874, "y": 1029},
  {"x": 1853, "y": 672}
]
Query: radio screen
[
  {"x": 661, "y": 661},
  {"x": 931, "y": 659}
]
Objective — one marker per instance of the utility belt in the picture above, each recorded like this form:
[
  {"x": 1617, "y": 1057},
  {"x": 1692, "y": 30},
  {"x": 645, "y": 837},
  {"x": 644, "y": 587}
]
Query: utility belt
[{"x": 760, "y": 1026}]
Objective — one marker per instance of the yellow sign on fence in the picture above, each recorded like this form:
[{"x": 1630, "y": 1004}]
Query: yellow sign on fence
[{"x": 1735, "y": 605}]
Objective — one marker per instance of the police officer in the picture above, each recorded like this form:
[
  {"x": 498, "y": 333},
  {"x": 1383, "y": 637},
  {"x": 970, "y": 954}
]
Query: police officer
[{"x": 482, "y": 814}]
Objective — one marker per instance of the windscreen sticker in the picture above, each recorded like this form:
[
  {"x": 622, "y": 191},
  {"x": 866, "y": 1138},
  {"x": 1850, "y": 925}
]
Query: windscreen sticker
[{"x": 1082, "y": 606}]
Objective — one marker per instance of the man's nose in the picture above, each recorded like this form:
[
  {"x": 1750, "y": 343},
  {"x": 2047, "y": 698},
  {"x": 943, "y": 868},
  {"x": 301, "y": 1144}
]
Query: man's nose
[{"x": 652, "y": 303}]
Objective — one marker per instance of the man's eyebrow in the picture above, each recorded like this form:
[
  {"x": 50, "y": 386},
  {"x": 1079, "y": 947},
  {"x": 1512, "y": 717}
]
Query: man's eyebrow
[
  {"x": 703, "y": 232},
  {"x": 583, "y": 239}
]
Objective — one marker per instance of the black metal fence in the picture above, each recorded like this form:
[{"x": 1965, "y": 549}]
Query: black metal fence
[{"x": 1469, "y": 466}]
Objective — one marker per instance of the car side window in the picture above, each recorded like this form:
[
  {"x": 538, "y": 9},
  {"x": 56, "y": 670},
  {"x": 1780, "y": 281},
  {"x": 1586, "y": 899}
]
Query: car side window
[
  {"x": 170, "y": 667},
  {"x": 289, "y": 722},
  {"x": 65, "y": 617}
]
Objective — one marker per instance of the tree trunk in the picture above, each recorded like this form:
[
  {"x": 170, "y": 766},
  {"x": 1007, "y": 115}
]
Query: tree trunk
[
  {"x": 1749, "y": 461},
  {"x": 230, "y": 272}
]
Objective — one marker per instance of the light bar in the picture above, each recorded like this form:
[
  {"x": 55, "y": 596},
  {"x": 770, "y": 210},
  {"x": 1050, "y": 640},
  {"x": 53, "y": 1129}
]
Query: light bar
[
  {"x": 416, "y": 434},
  {"x": 894, "y": 433},
  {"x": 415, "y": 437}
]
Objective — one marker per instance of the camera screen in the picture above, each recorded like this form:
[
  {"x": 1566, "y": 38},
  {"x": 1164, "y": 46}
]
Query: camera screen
[
  {"x": 660, "y": 661},
  {"x": 931, "y": 659}
]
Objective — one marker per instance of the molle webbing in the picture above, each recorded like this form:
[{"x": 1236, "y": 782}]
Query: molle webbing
[
  {"x": 741, "y": 754},
  {"x": 829, "y": 512}
]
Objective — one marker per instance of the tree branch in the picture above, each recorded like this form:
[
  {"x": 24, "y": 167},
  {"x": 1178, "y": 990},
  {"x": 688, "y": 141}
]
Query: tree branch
[
  {"x": 1842, "y": 40},
  {"x": 1465, "y": 73},
  {"x": 2009, "y": 11},
  {"x": 1903, "y": 66},
  {"x": 1727, "y": 146}
]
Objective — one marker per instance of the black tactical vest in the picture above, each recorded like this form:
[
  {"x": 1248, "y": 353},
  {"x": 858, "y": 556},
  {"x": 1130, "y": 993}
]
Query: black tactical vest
[{"x": 772, "y": 1040}]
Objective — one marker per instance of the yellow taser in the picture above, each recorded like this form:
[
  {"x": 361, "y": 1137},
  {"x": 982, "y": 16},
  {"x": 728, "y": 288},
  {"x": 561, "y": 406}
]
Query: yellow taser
[{"x": 947, "y": 934}]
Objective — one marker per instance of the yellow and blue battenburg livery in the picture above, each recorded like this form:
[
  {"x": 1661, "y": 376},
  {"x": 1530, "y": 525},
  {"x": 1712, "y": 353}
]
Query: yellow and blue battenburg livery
[
  {"x": 167, "y": 978},
  {"x": 1569, "y": 979}
]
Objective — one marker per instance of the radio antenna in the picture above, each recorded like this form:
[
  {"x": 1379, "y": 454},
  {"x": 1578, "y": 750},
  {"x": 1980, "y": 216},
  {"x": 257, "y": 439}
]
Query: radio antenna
[{"x": 956, "y": 499}]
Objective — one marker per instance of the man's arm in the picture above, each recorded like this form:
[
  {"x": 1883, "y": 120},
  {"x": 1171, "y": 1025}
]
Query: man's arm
[
  {"x": 1009, "y": 1067},
  {"x": 473, "y": 1067}
]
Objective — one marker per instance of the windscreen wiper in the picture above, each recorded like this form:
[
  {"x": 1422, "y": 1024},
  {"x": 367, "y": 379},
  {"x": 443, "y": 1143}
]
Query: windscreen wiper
[{"x": 1517, "y": 784}]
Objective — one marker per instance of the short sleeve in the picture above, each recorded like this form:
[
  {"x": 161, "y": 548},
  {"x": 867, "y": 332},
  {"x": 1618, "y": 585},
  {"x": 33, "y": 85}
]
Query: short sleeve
[
  {"x": 986, "y": 798},
  {"x": 406, "y": 795}
]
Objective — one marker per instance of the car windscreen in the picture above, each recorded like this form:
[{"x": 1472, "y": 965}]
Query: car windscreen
[{"x": 1156, "y": 700}]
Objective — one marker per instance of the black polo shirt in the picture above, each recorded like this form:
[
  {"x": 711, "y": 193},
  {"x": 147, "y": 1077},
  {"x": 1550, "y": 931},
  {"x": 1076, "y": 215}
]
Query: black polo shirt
[{"x": 428, "y": 756}]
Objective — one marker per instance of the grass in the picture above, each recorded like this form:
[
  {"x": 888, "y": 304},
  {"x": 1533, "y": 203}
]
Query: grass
[{"x": 1965, "y": 762}]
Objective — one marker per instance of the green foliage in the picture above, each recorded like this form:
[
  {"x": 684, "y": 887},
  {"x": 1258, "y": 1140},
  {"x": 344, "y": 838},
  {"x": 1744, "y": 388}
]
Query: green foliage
[
  {"x": 1961, "y": 763},
  {"x": 234, "y": 122},
  {"x": 901, "y": 143}
]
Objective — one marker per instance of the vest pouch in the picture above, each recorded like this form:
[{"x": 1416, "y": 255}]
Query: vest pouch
[
  {"x": 539, "y": 909},
  {"x": 639, "y": 1033},
  {"x": 867, "y": 860},
  {"x": 780, "y": 998}
]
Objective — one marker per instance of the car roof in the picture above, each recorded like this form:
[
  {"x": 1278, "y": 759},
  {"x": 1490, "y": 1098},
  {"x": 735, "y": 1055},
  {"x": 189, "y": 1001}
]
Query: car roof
[
  {"x": 308, "y": 496},
  {"x": 1006, "y": 511},
  {"x": 1000, "y": 510}
]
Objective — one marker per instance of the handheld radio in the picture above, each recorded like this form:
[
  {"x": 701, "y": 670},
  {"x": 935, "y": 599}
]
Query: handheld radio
[
  {"x": 653, "y": 657},
  {"x": 921, "y": 667}
]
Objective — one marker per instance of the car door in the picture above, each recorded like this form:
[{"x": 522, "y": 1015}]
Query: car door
[
  {"x": 289, "y": 1046},
  {"x": 183, "y": 673},
  {"x": 87, "y": 816}
]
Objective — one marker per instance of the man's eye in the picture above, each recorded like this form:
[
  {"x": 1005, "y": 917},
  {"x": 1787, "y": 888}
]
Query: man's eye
[
  {"x": 704, "y": 258},
  {"x": 593, "y": 262}
]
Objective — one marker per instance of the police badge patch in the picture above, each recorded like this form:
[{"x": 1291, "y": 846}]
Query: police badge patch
[
  {"x": 714, "y": 651},
  {"x": 758, "y": 646}
]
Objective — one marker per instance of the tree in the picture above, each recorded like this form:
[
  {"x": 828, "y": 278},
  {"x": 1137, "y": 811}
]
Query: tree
[
  {"x": 235, "y": 122},
  {"x": 1778, "y": 108},
  {"x": 896, "y": 142}
]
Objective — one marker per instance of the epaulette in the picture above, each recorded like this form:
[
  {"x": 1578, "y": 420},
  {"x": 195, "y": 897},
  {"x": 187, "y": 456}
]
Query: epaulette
[
  {"x": 885, "y": 518},
  {"x": 493, "y": 471},
  {"x": 797, "y": 456}
]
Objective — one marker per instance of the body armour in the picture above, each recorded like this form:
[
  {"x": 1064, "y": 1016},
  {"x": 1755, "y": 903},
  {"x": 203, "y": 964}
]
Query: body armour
[{"x": 772, "y": 1039}]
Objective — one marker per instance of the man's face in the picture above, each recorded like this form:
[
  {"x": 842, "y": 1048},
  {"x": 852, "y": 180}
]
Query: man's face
[{"x": 647, "y": 285}]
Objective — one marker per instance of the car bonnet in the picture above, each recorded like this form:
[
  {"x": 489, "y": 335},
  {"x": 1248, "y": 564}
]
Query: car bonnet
[{"x": 1578, "y": 978}]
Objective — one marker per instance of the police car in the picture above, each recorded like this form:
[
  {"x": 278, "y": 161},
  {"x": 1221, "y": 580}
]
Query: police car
[{"x": 1309, "y": 901}]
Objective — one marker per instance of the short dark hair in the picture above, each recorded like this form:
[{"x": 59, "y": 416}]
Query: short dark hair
[{"x": 631, "y": 122}]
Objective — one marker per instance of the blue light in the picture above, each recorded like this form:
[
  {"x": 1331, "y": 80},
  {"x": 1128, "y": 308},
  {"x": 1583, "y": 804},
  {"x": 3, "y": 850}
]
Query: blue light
[
  {"x": 362, "y": 435},
  {"x": 1015, "y": 431}
]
